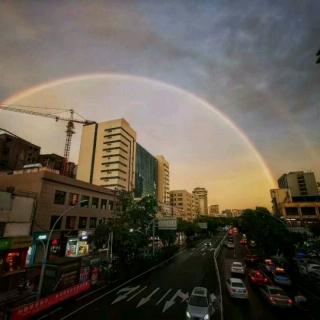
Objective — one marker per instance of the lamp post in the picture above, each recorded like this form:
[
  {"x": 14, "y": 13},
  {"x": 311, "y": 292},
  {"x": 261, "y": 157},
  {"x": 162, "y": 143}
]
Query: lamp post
[{"x": 44, "y": 260}]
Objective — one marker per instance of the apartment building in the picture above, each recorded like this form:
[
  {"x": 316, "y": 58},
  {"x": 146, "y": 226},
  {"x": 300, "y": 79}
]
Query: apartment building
[
  {"x": 301, "y": 184},
  {"x": 163, "y": 180},
  {"x": 214, "y": 210},
  {"x": 201, "y": 195},
  {"x": 182, "y": 199},
  {"x": 108, "y": 155}
]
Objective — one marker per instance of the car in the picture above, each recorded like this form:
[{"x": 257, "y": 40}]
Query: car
[
  {"x": 281, "y": 277},
  {"x": 243, "y": 241},
  {"x": 208, "y": 244},
  {"x": 252, "y": 244},
  {"x": 237, "y": 267},
  {"x": 252, "y": 260},
  {"x": 275, "y": 296},
  {"x": 200, "y": 304},
  {"x": 230, "y": 245},
  {"x": 311, "y": 267},
  {"x": 236, "y": 288},
  {"x": 257, "y": 277}
]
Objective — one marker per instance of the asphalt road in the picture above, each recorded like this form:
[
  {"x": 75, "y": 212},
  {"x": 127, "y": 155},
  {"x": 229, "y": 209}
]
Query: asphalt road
[
  {"x": 255, "y": 308},
  {"x": 159, "y": 294}
]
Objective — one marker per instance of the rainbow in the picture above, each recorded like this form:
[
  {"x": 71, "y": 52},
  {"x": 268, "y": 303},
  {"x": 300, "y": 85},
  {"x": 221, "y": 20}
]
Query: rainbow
[{"x": 202, "y": 102}]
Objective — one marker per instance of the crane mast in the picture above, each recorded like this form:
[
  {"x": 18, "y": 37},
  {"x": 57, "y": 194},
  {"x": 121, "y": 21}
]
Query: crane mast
[{"x": 70, "y": 120}]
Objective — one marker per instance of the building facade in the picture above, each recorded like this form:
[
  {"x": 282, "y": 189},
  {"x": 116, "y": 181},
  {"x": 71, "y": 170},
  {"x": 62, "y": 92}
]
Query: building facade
[
  {"x": 214, "y": 210},
  {"x": 56, "y": 195},
  {"x": 163, "y": 180},
  {"x": 16, "y": 152},
  {"x": 146, "y": 174},
  {"x": 182, "y": 199},
  {"x": 108, "y": 154},
  {"x": 202, "y": 195},
  {"x": 295, "y": 213},
  {"x": 56, "y": 162},
  {"x": 16, "y": 216},
  {"x": 301, "y": 184}
]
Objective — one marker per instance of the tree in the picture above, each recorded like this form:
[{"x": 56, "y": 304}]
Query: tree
[{"x": 101, "y": 235}]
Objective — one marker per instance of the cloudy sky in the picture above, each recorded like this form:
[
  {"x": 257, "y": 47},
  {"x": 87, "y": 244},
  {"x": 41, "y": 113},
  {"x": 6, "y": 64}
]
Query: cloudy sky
[{"x": 251, "y": 62}]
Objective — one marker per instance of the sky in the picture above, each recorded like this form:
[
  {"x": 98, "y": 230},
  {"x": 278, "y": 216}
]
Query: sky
[{"x": 228, "y": 91}]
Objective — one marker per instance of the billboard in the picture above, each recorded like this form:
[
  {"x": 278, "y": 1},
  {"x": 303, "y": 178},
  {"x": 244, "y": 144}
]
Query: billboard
[
  {"x": 203, "y": 225},
  {"x": 166, "y": 223}
]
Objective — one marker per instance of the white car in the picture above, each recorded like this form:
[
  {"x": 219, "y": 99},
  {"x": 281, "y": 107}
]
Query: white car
[
  {"x": 237, "y": 267},
  {"x": 200, "y": 304},
  {"x": 236, "y": 288}
]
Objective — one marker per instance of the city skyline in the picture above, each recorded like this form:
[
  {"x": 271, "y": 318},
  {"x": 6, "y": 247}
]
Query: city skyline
[{"x": 240, "y": 98}]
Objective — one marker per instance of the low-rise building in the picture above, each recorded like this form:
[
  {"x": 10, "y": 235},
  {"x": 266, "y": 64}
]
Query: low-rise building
[
  {"x": 16, "y": 216},
  {"x": 60, "y": 195},
  {"x": 214, "y": 210}
]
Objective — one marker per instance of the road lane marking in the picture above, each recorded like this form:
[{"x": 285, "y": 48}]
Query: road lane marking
[
  {"x": 125, "y": 296},
  {"x": 120, "y": 286},
  {"x": 146, "y": 299},
  {"x": 163, "y": 297},
  {"x": 204, "y": 254},
  {"x": 171, "y": 302},
  {"x": 50, "y": 313},
  {"x": 132, "y": 297}
]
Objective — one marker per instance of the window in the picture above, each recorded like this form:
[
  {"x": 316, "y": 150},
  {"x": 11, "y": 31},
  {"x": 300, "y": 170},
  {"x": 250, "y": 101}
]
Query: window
[
  {"x": 71, "y": 222},
  {"x": 111, "y": 206},
  {"x": 2, "y": 227},
  {"x": 73, "y": 198},
  {"x": 292, "y": 211},
  {"x": 82, "y": 223},
  {"x": 53, "y": 219},
  {"x": 60, "y": 197},
  {"x": 308, "y": 211},
  {"x": 85, "y": 204},
  {"x": 103, "y": 204},
  {"x": 92, "y": 222},
  {"x": 95, "y": 203}
]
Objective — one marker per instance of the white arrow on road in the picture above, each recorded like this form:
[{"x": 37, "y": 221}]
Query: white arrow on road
[
  {"x": 171, "y": 302},
  {"x": 184, "y": 296},
  {"x": 124, "y": 290},
  {"x": 146, "y": 299},
  {"x": 124, "y": 296}
]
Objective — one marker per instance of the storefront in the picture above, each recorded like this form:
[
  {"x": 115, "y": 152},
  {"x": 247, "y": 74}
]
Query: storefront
[
  {"x": 78, "y": 246},
  {"x": 13, "y": 254}
]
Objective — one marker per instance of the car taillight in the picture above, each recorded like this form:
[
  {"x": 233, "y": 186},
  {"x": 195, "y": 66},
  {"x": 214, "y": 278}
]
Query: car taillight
[
  {"x": 290, "y": 301},
  {"x": 233, "y": 290},
  {"x": 265, "y": 280},
  {"x": 272, "y": 300}
]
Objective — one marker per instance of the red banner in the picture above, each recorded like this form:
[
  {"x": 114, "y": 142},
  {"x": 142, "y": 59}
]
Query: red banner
[{"x": 31, "y": 309}]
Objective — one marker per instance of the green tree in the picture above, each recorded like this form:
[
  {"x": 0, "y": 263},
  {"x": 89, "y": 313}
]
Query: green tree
[{"x": 101, "y": 235}]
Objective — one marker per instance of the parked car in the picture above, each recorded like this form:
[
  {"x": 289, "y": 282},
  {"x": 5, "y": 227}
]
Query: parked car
[
  {"x": 200, "y": 304},
  {"x": 236, "y": 288},
  {"x": 257, "y": 277},
  {"x": 208, "y": 244},
  {"x": 243, "y": 241},
  {"x": 309, "y": 267},
  {"x": 275, "y": 296},
  {"x": 281, "y": 277},
  {"x": 237, "y": 267}
]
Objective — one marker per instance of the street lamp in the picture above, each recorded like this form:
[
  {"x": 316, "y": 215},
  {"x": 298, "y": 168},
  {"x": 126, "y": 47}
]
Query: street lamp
[{"x": 44, "y": 260}]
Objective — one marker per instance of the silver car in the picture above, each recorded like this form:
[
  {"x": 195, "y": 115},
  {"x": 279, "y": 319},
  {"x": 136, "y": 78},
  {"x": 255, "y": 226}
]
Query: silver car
[{"x": 200, "y": 304}]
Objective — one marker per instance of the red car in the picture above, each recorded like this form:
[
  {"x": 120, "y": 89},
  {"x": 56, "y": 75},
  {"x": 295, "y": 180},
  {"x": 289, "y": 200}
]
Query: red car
[{"x": 258, "y": 277}]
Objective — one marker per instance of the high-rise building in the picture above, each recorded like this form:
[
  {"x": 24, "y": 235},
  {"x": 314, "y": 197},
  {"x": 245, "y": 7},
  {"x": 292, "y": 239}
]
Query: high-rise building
[
  {"x": 146, "y": 175},
  {"x": 16, "y": 152},
  {"x": 300, "y": 183},
  {"x": 182, "y": 199},
  {"x": 163, "y": 180},
  {"x": 214, "y": 210},
  {"x": 202, "y": 195},
  {"x": 107, "y": 155}
]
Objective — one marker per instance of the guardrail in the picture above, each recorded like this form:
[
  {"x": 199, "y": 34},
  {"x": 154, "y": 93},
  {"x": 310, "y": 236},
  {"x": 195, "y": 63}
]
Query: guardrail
[{"x": 216, "y": 253}]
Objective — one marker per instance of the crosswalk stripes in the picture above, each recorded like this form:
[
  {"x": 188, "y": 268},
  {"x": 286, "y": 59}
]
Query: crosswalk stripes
[
  {"x": 144, "y": 288},
  {"x": 163, "y": 297}
]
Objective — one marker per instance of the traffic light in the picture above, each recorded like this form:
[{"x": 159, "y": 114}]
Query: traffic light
[{"x": 318, "y": 55}]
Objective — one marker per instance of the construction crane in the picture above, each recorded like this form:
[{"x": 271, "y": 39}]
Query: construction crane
[{"x": 48, "y": 113}]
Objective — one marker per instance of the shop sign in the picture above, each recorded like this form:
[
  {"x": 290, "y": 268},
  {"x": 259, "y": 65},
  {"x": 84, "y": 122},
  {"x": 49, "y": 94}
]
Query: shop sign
[
  {"x": 29, "y": 310},
  {"x": 167, "y": 223},
  {"x": 15, "y": 243},
  {"x": 5, "y": 244}
]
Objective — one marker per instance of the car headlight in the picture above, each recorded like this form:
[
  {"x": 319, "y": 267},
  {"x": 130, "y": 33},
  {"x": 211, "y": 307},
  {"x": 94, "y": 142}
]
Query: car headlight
[
  {"x": 206, "y": 317},
  {"x": 188, "y": 315}
]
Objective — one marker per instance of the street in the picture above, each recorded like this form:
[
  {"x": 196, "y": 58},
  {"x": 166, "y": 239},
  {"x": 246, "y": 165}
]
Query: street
[
  {"x": 159, "y": 294},
  {"x": 255, "y": 307}
]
